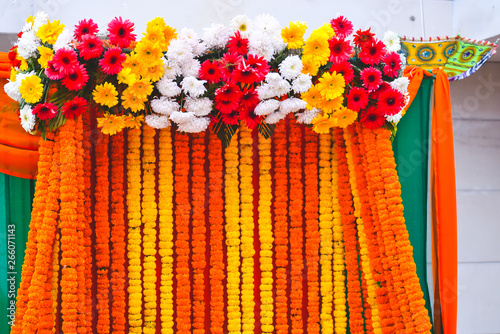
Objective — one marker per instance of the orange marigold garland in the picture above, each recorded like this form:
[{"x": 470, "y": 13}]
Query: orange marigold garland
[
  {"x": 233, "y": 241},
  {"x": 216, "y": 221},
  {"x": 55, "y": 279},
  {"x": 296, "y": 225},
  {"x": 265, "y": 236},
  {"x": 149, "y": 215},
  {"x": 198, "y": 243},
  {"x": 134, "y": 188},
  {"x": 311, "y": 208},
  {"x": 182, "y": 242},
  {"x": 166, "y": 230}
]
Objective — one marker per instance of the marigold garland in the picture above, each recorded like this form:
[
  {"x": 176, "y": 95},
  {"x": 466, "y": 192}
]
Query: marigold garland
[{"x": 55, "y": 279}]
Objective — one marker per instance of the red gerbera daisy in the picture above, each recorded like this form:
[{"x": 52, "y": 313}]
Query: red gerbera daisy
[
  {"x": 357, "y": 98},
  {"x": 392, "y": 64},
  {"x": 77, "y": 79},
  {"x": 65, "y": 61},
  {"x": 90, "y": 47},
  {"x": 259, "y": 64},
  {"x": 227, "y": 98},
  {"x": 340, "y": 50},
  {"x": 363, "y": 37},
  {"x": 344, "y": 68},
  {"x": 229, "y": 63},
  {"x": 382, "y": 88},
  {"x": 248, "y": 116},
  {"x": 75, "y": 107},
  {"x": 371, "y": 118},
  {"x": 112, "y": 61},
  {"x": 230, "y": 118},
  {"x": 372, "y": 53},
  {"x": 341, "y": 26},
  {"x": 14, "y": 62},
  {"x": 249, "y": 99},
  {"x": 390, "y": 102},
  {"x": 210, "y": 71},
  {"x": 45, "y": 111},
  {"x": 85, "y": 27},
  {"x": 51, "y": 72},
  {"x": 245, "y": 74},
  {"x": 372, "y": 78},
  {"x": 120, "y": 32},
  {"x": 237, "y": 44}
]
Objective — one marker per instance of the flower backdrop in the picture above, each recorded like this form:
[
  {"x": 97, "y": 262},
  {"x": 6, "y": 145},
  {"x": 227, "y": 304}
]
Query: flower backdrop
[{"x": 242, "y": 182}]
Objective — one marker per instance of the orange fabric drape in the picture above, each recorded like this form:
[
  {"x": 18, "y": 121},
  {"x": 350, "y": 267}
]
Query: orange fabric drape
[
  {"x": 443, "y": 199},
  {"x": 18, "y": 149}
]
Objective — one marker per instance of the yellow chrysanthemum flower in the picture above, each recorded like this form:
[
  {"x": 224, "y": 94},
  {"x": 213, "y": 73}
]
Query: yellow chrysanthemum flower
[
  {"x": 313, "y": 97},
  {"x": 141, "y": 89},
  {"x": 49, "y": 32},
  {"x": 345, "y": 117},
  {"x": 133, "y": 63},
  {"x": 323, "y": 123},
  {"x": 110, "y": 124},
  {"x": 31, "y": 89},
  {"x": 132, "y": 102},
  {"x": 294, "y": 34},
  {"x": 329, "y": 106},
  {"x": 125, "y": 76},
  {"x": 105, "y": 94},
  {"x": 331, "y": 85},
  {"x": 155, "y": 72},
  {"x": 46, "y": 55},
  {"x": 147, "y": 52},
  {"x": 317, "y": 47},
  {"x": 133, "y": 122}
]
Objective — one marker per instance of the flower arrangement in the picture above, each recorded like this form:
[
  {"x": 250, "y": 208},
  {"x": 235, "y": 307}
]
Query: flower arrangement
[{"x": 252, "y": 72}]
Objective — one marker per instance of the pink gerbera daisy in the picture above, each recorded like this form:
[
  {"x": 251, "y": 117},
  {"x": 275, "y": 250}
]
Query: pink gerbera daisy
[
  {"x": 344, "y": 68},
  {"x": 85, "y": 27},
  {"x": 372, "y": 53},
  {"x": 51, "y": 72},
  {"x": 372, "y": 78},
  {"x": 371, "y": 118},
  {"x": 237, "y": 44},
  {"x": 340, "y": 50},
  {"x": 392, "y": 64},
  {"x": 120, "y": 32},
  {"x": 210, "y": 71},
  {"x": 341, "y": 26},
  {"x": 391, "y": 101},
  {"x": 357, "y": 98},
  {"x": 77, "y": 79},
  {"x": 90, "y": 47},
  {"x": 45, "y": 111},
  {"x": 111, "y": 63},
  {"x": 65, "y": 61},
  {"x": 74, "y": 107}
]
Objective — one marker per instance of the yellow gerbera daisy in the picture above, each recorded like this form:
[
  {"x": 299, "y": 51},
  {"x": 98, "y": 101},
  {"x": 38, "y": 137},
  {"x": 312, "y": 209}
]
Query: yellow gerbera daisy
[
  {"x": 133, "y": 122},
  {"x": 155, "y": 35},
  {"x": 105, "y": 94},
  {"x": 310, "y": 66},
  {"x": 326, "y": 29},
  {"x": 169, "y": 33},
  {"x": 345, "y": 117},
  {"x": 132, "y": 102},
  {"x": 294, "y": 34},
  {"x": 148, "y": 52},
  {"x": 323, "y": 123},
  {"x": 133, "y": 63},
  {"x": 110, "y": 124},
  {"x": 312, "y": 97},
  {"x": 329, "y": 106},
  {"x": 331, "y": 85},
  {"x": 317, "y": 47},
  {"x": 31, "y": 89},
  {"x": 155, "y": 72},
  {"x": 49, "y": 32},
  {"x": 141, "y": 89},
  {"x": 46, "y": 55},
  {"x": 13, "y": 74},
  {"x": 24, "y": 64},
  {"x": 125, "y": 76}
]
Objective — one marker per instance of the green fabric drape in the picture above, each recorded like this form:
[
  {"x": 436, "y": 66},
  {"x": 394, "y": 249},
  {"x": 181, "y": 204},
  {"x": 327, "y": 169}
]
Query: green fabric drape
[
  {"x": 411, "y": 149},
  {"x": 16, "y": 196}
]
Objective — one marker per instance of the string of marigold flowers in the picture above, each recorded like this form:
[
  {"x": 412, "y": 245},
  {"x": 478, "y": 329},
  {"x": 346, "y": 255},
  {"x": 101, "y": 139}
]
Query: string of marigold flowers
[
  {"x": 311, "y": 208},
  {"x": 149, "y": 215},
  {"x": 265, "y": 236},
  {"x": 296, "y": 225},
  {"x": 134, "y": 189},
  {"x": 182, "y": 242},
  {"x": 247, "y": 230},
  {"x": 339, "y": 275},
  {"x": 233, "y": 230},
  {"x": 55, "y": 278},
  {"x": 118, "y": 233},
  {"x": 325, "y": 229},
  {"x": 216, "y": 222},
  {"x": 166, "y": 229},
  {"x": 198, "y": 244}
]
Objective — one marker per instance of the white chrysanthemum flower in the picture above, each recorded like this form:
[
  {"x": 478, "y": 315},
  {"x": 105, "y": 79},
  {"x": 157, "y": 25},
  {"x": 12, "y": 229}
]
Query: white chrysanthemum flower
[
  {"x": 307, "y": 116},
  {"x": 191, "y": 68},
  {"x": 196, "y": 125},
  {"x": 391, "y": 41},
  {"x": 27, "y": 27},
  {"x": 291, "y": 67},
  {"x": 260, "y": 44},
  {"x": 193, "y": 86},
  {"x": 63, "y": 39},
  {"x": 171, "y": 69},
  {"x": 27, "y": 118},
  {"x": 40, "y": 19},
  {"x": 216, "y": 36},
  {"x": 302, "y": 83},
  {"x": 179, "y": 117},
  {"x": 168, "y": 87},
  {"x": 28, "y": 44},
  {"x": 275, "y": 117},
  {"x": 157, "y": 121},
  {"x": 273, "y": 78},
  {"x": 266, "y": 107},
  {"x": 394, "y": 118},
  {"x": 164, "y": 106},
  {"x": 198, "y": 48},
  {"x": 281, "y": 87},
  {"x": 188, "y": 36},
  {"x": 11, "y": 88},
  {"x": 200, "y": 107},
  {"x": 400, "y": 84},
  {"x": 292, "y": 104},
  {"x": 265, "y": 92},
  {"x": 403, "y": 60},
  {"x": 241, "y": 23},
  {"x": 179, "y": 51},
  {"x": 267, "y": 23}
]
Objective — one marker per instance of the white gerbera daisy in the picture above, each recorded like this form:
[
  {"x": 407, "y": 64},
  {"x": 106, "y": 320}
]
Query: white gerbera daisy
[
  {"x": 196, "y": 125},
  {"x": 27, "y": 118},
  {"x": 292, "y": 104},
  {"x": 308, "y": 115},
  {"x": 302, "y": 83},
  {"x": 216, "y": 36},
  {"x": 157, "y": 121},
  {"x": 290, "y": 67},
  {"x": 193, "y": 86},
  {"x": 164, "y": 106},
  {"x": 241, "y": 23},
  {"x": 168, "y": 87},
  {"x": 266, "y": 107},
  {"x": 179, "y": 117},
  {"x": 199, "y": 106},
  {"x": 391, "y": 41}
]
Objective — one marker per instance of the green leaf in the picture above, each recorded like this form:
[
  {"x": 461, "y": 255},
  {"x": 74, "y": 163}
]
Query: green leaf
[
  {"x": 266, "y": 130},
  {"x": 225, "y": 132}
]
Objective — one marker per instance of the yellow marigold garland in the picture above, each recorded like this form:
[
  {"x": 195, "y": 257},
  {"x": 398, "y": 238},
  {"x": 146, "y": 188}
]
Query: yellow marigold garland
[
  {"x": 166, "y": 230},
  {"x": 149, "y": 214},
  {"x": 233, "y": 241},
  {"x": 247, "y": 230},
  {"x": 265, "y": 236},
  {"x": 134, "y": 188}
]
